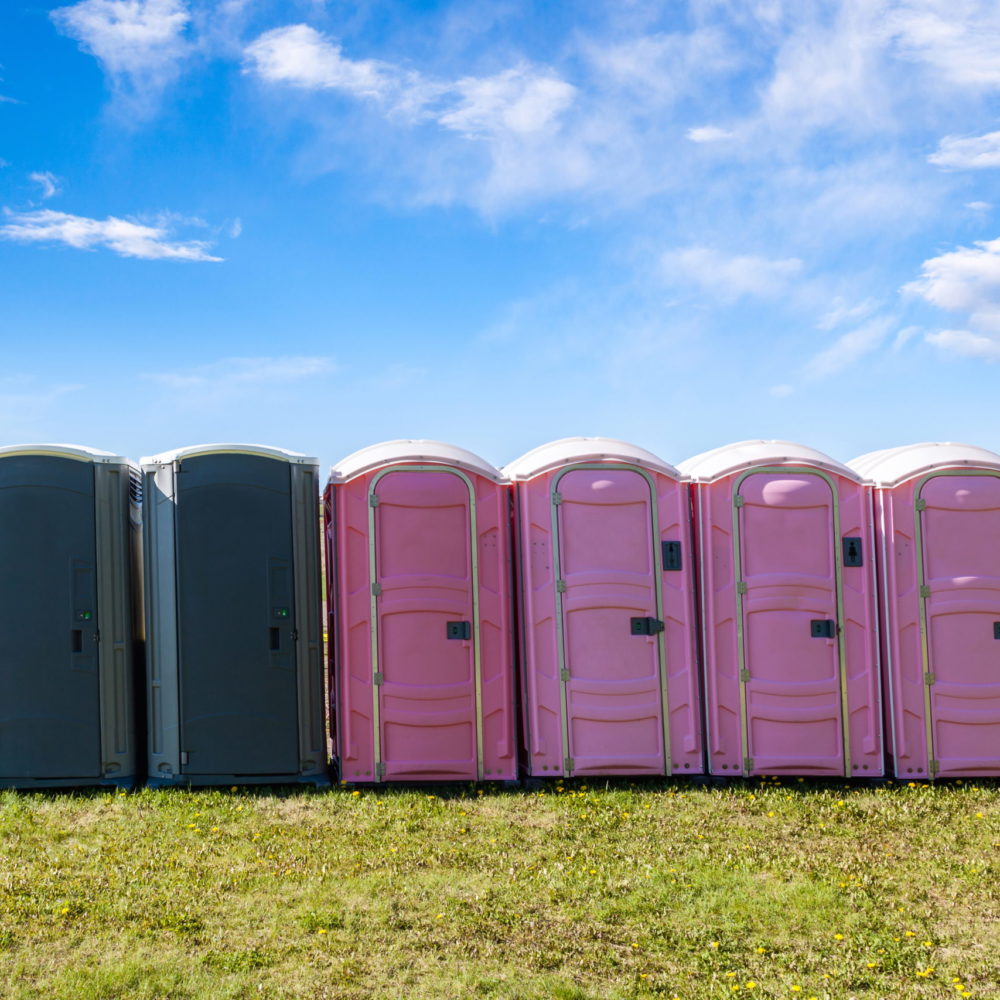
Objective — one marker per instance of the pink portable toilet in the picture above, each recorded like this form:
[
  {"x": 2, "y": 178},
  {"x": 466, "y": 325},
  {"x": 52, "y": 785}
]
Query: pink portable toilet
[
  {"x": 609, "y": 683},
  {"x": 937, "y": 507},
  {"x": 418, "y": 552},
  {"x": 788, "y": 612}
]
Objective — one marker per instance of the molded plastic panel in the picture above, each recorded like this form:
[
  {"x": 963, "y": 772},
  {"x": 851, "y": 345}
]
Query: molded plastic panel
[
  {"x": 236, "y": 616},
  {"x": 606, "y": 555},
  {"x": 961, "y": 555},
  {"x": 793, "y": 692},
  {"x": 423, "y": 538},
  {"x": 50, "y": 721}
]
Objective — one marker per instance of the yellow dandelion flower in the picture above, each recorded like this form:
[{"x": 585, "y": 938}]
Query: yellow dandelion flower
[
  {"x": 796, "y": 989},
  {"x": 440, "y": 916},
  {"x": 751, "y": 985},
  {"x": 760, "y": 951},
  {"x": 322, "y": 930},
  {"x": 713, "y": 944},
  {"x": 355, "y": 792},
  {"x": 838, "y": 937},
  {"x": 909, "y": 934}
]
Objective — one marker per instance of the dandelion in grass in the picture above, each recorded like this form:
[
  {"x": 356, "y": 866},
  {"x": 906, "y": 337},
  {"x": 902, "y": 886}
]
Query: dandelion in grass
[{"x": 838, "y": 937}]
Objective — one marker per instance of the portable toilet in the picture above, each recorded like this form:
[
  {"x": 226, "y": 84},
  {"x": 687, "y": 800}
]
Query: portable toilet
[
  {"x": 69, "y": 520},
  {"x": 788, "y": 611},
  {"x": 937, "y": 507},
  {"x": 609, "y": 680},
  {"x": 418, "y": 538},
  {"x": 234, "y": 637}
]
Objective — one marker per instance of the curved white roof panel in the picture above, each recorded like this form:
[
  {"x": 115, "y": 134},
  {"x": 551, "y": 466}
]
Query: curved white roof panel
[
  {"x": 569, "y": 451},
  {"x": 179, "y": 454},
  {"x": 411, "y": 452},
  {"x": 77, "y": 451},
  {"x": 720, "y": 462},
  {"x": 892, "y": 466}
]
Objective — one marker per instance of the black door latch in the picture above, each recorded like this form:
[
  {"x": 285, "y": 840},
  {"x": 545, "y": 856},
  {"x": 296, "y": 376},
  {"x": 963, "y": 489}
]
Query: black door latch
[{"x": 646, "y": 626}]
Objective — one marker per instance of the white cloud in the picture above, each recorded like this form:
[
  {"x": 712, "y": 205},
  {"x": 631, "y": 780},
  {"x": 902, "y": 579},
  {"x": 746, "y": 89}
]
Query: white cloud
[
  {"x": 729, "y": 277},
  {"x": 140, "y": 43},
  {"x": 978, "y": 206},
  {"x": 124, "y": 237},
  {"x": 300, "y": 56},
  {"x": 709, "y": 133},
  {"x": 966, "y": 280},
  {"x": 965, "y": 342},
  {"x": 848, "y": 348},
  {"x": 976, "y": 153},
  {"x": 48, "y": 182},
  {"x": 781, "y": 391},
  {"x": 231, "y": 377},
  {"x": 841, "y": 312}
]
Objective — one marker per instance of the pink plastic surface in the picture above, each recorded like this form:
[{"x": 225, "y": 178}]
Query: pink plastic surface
[
  {"x": 606, "y": 554},
  {"x": 423, "y": 558},
  {"x": 961, "y": 557},
  {"x": 793, "y": 688}
]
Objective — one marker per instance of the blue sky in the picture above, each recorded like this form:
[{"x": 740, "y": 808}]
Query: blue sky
[{"x": 323, "y": 223}]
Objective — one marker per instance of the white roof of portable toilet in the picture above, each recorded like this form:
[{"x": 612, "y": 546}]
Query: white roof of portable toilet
[
  {"x": 568, "y": 451},
  {"x": 892, "y": 466},
  {"x": 720, "y": 462},
  {"x": 166, "y": 457},
  {"x": 78, "y": 451},
  {"x": 411, "y": 451}
]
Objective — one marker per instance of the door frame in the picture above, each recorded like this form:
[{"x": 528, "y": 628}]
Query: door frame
[
  {"x": 555, "y": 499},
  {"x": 740, "y": 610},
  {"x": 923, "y": 595},
  {"x": 373, "y": 503}
]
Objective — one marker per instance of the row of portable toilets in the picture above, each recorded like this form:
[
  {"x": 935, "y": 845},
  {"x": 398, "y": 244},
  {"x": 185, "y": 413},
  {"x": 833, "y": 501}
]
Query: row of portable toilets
[{"x": 587, "y": 610}]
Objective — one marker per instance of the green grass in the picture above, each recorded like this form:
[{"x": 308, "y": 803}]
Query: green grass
[{"x": 769, "y": 889}]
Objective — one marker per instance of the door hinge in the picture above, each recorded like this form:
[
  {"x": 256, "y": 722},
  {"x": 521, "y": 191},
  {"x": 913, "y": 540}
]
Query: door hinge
[
  {"x": 373, "y": 500},
  {"x": 921, "y": 504},
  {"x": 560, "y": 586},
  {"x": 378, "y": 679},
  {"x": 744, "y": 676},
  {"x": 748, "y": 765},
  {"x": 738, "y": 501},
  {"x": 568, "y": 765},
  {"x": 564, "y": 675},
  {"x": 929, "y": 678},
  {"x": 380, "y": 769},
  {"x": 925, "y": 591},
  {"x": 376, "y": 589},
  {"x": 741, "y": 586},
  {"x": 557, "y": 498},
  {"x": 184, "y": 757}
]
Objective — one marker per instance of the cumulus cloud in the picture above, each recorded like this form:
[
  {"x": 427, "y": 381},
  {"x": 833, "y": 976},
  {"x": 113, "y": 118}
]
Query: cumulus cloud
[
  {"x": 729, "y": 277},
  {"x": 976, "y": 153},
  {"x": 966, "y": 280},
  {"x": 48, "y": 182},
  {"x": 139, "y": 43},
  {"x": 123, "y": 236}
]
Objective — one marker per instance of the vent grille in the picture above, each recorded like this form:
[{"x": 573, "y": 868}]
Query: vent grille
[{"x": 135, "y": 486}]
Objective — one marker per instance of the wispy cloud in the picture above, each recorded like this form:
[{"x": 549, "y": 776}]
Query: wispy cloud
[
  {"x": 139, "y": 43},
  {"x": 966, "y": 280},
  {"x": 849, "y": 348},
  {"x": 122, "y": 236},
  {"x": 48, "y": 182},
  {"x": 229, "y": 378},
  {"x": 729, "y": 277},
  {"x": 709, "y": 133},
  {"x": 976, "y": 153}
]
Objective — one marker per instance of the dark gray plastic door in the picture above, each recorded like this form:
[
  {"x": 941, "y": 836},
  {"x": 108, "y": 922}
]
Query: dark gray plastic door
[
  {"x": 239, "y": 705},
  {"x": 49, "y": 689}
]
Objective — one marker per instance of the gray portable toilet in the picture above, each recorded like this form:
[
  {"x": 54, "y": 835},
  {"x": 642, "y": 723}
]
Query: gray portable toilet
[
  {"x": 69, "y": 523},
  {"x": 234, "y": 661}
]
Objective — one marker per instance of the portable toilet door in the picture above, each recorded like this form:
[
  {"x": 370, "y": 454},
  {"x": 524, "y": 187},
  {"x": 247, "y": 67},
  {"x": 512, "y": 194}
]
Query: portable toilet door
[
  {"x": 606, "y": 582},
  {"x": 419, "y": 534},
  {"x": 789, "y": 628},
  {"x": 234, "y": 640},
  {"x": 68, "y": 523},
  {"x": 938, "y": 512}
]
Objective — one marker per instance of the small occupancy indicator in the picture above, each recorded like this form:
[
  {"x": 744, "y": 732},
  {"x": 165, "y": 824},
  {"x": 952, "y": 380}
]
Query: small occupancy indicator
[{"x": 281, "y": 612}]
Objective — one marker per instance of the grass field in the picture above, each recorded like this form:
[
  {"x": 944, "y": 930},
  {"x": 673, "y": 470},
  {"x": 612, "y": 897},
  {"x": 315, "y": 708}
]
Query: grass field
[{"x": 768, "y": 889}]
